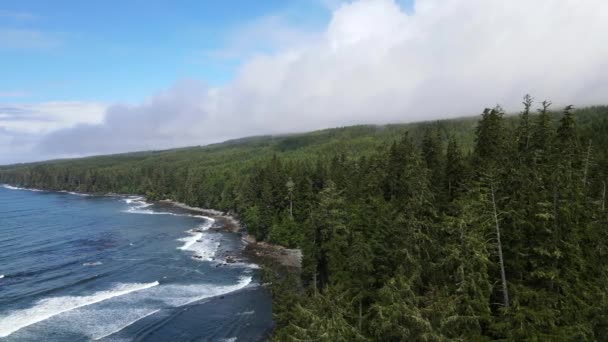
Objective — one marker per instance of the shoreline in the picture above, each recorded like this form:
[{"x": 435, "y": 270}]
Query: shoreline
[
  {"x": 261, "y": 252},
  {"x": 265, "y": 253},
  {"x": 188, "y": 296}
]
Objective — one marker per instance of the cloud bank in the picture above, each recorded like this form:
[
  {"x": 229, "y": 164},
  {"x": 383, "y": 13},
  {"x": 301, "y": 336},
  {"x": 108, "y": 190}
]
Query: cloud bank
[{"x": 374, "y": 63}]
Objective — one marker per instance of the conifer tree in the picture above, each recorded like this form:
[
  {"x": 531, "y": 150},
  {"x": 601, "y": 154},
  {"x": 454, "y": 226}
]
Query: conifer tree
[
  {"x": 524, "y": 130},
  {"x": 454, "y": 169},
  {"x": 542, "y": 132}
]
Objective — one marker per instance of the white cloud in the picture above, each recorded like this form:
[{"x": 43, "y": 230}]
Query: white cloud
[
  {"x": 263, "y": 35},
  {"x": 14, "y": 94},
  {"x": 29, "y": 39},
  {"x": 375, "y": 63},
  {"x": 46, "y": 117},
  {"x": 18, "y": 15},
  {"x": 22, "y": 126}
]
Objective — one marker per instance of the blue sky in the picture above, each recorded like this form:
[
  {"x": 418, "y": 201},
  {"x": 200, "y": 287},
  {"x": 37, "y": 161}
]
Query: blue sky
[
  {"x": 125, "y": 50},
  {"x": 95, "y": 77}
]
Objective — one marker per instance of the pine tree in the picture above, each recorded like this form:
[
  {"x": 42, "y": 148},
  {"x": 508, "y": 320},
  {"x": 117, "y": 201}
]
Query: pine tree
[
  {"x": 331, "y": 233},
  {"x": 490, "y": 138},
  {"x": 432, "y": 151},
  {"x": 542, "y": 131},
  {"x": 524, "y": 130},
  {"x": 454, "y": 170}
]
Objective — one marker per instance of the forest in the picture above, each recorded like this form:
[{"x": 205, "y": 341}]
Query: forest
[{"x": 472, "y": 229}]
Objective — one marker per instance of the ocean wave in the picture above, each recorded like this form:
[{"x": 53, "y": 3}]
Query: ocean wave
[
  {"x": 111, "y": 317},
  {"x": 10, "y": 187},
  {"x": 122, "y": 326},
  {"x": 247, "y": 265},
  {"x": 49, "y": 307},
  {"x": 203, "y": 249},
  {"x": 189, "y": 241},
  {"x": 92, "y": 263},
  {"x": 1, "y": 276},
  {"x": 75, "y": 193},
  {"x": 180, "y": 295},
  {"x": 136, "y": 199},
  {"x": 141, "y": 210},
  {"x": 138, "y": 205}
]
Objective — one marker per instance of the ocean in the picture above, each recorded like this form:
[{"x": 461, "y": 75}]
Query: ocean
[{"x": 75, "y": 267}]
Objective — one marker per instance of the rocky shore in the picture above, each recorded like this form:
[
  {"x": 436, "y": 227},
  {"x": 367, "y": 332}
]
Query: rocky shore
[{"x": 260, "y": 252}]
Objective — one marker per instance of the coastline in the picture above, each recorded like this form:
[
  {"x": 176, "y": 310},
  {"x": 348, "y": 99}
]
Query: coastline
[
  {"x": 190, "y": 290},
  {"x": 264, "y": 253}
]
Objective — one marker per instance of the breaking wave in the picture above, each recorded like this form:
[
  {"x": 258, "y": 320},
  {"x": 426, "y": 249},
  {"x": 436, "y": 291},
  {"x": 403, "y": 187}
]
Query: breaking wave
[{"x": 49, "y": 307}]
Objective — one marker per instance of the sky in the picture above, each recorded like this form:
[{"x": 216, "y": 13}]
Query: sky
[{"x": 81, "y": 78}]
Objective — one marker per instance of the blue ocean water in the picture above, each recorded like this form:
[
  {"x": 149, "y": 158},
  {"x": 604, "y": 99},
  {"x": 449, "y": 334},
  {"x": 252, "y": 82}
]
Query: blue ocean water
[{"x": 77, "y": 268}]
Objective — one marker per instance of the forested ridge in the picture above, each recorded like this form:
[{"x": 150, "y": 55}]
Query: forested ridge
[{"x": 492, "y": 228}]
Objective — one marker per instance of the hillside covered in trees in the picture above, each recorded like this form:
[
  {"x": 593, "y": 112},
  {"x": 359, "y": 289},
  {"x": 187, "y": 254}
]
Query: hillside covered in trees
[{"x": 468, "y": 230}]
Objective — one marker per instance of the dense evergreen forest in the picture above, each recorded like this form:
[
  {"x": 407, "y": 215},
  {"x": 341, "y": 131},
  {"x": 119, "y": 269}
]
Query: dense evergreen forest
[{"x": 464, "y": 230}]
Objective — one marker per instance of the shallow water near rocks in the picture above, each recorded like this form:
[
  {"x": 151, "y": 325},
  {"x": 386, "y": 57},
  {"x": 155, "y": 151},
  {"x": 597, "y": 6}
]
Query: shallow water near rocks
[{"x": 77, "y": 267}]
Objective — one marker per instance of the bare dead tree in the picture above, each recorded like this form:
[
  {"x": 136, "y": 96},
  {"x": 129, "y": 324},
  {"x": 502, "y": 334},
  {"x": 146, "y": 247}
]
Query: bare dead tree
[
  {"x": 290, "y": 185},
  {"x": 503, "y": 276},
  {"x": 587, "y": 157},
  {"x": 604, "y": 196}
]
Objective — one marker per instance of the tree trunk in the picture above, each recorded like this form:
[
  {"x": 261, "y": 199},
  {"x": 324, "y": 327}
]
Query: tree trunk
[
  {"x": 556, "y": 236},
  {"x": 503, "y": 276},
  {"x": 360, "y": 313},
  {"x": 587, "y": 157},
  {"x": 450, "y": 189},
  {"x": 291, "y": 205},
  {"x": 604, "y": 196}
]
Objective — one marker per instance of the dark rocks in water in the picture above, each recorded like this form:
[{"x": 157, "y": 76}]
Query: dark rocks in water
[
  {"x": 231, "y": 260},
  {"x": 198, "y": 257},
  {"x": 199, "y": 240}
]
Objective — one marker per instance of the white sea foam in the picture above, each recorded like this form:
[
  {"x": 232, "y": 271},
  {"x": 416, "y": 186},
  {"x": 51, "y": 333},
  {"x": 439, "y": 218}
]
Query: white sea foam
[
  {"x": 245, "y": 265},
  {"x": 203, "y": 248},
  {"x": 10, "y": 187},
  {"x": 138, "y": 204},
  {"x": 75, "y": 193},
  {"x": 92, "y": 263},
  {"x": 131, "y": 322},
  {"x": 105, "y": 319},
  {"x": 180, "y": 295},
  {"x": 1, "y": 276},
  {"x": 138, "y": 200},
  {"x": 102, "y": 322},
  {"x": 140, "y": 210},
  {"x": 105, "y": 313},
  {"x": 189, "y": 241},
  {"x": 49, "y": 307}
]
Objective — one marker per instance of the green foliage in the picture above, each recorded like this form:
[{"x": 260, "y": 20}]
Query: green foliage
[{"x": 399, "y": 224}]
